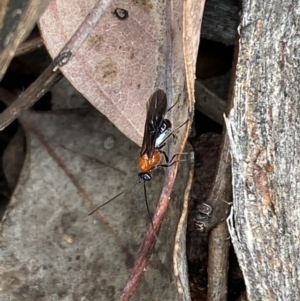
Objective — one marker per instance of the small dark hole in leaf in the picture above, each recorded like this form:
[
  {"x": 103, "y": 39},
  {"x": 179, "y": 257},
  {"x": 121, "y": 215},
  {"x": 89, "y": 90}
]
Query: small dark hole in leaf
[{"x": 121, "y": 13}]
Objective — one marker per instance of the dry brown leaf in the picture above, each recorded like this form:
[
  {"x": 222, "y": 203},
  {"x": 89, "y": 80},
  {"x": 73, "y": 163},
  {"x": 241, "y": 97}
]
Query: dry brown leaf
[
  {"x": 192, "y": 19},
  {"x": 124, "y": 60}
]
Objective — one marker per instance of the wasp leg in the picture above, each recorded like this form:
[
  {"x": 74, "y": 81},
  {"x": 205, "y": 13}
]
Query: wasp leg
[
  {"x": 168, "y": 162},
  {"x": 160, "y": 147},
  {"x": 168, "y": 165}
]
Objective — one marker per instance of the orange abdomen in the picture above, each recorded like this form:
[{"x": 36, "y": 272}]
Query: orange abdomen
[{"x": 147, "y": 164}]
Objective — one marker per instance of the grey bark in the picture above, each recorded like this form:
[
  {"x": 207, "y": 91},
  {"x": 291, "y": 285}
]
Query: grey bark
[{"x": 264, "y": 133}]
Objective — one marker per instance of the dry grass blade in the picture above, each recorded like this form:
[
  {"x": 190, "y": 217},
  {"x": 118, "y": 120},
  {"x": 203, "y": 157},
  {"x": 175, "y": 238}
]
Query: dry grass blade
[{"x": 17, "y": 19}]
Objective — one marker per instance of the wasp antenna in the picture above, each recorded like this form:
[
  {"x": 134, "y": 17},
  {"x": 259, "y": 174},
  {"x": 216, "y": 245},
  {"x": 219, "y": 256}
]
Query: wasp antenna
[
  {"x": 113, "y": 198},
  {"x": 148, "y": 210},
  {"x": 173, "y": 105}
]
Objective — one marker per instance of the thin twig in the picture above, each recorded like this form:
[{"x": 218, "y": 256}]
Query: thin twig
[
  {"x": 32, "y": 94},
  {"x": 220, "y": 197},
  {"x": 52, "y": 74},
  {"x": 147, "y": 247},
  {"x": 148, "y": 244},
  {"x": 29, "y": 46},
  {"x": 218, "y": 262},
  {"x": 82, "y": 33}
]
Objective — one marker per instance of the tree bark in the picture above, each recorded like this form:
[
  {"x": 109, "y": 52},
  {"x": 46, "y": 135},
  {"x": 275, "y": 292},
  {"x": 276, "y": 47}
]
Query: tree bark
[{"x": 264, "y": 133}]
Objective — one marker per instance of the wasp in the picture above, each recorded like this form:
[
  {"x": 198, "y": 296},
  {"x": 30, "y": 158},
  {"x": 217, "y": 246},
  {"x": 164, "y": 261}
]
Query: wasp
[{"x": 157, "y": 130}]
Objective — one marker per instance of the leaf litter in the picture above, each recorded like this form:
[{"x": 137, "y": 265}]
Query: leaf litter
[{"x": 69, "y": 255}]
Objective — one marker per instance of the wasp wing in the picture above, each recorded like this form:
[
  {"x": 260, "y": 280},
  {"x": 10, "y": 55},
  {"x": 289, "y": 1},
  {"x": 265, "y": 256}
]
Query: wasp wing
[{"x": 156, "y": 110}]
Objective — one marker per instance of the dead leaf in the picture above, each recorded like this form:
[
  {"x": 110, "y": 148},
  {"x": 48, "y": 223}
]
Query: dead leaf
[{"x": 124, "y": 60}]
